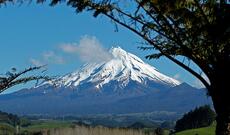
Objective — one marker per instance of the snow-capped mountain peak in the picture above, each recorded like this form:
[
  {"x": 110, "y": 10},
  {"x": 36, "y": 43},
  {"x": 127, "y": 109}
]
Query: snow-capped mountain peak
[{"x": 123, "y": 68}]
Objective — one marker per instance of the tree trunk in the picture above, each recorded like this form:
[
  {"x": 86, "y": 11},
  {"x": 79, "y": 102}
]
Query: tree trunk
[
  {"x": 220, "y": 93},
  {"x": 222, "y": 107},
  {"x": 223, "y": 125}
]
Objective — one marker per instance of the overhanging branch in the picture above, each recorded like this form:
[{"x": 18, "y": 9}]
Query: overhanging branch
[
  {"x": 198, "y": 76},
  {"x": 11, "y": 78}
]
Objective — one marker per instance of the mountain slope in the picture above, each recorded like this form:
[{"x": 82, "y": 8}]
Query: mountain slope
[
  {"x": 123, "y": 84},
  {"x": 123, "y": 67}
]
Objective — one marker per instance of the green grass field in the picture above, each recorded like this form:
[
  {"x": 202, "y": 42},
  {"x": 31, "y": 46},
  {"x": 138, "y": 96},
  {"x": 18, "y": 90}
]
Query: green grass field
[
  {"x": 67, "y": 126},
  {"x": 200, "y": 131}
]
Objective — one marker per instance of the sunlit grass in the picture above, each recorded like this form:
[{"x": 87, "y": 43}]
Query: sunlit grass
[{"x": 200, "y": 131}]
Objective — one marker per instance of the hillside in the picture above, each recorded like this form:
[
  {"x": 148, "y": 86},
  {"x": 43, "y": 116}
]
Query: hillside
[{"x": 200, "y": 131}]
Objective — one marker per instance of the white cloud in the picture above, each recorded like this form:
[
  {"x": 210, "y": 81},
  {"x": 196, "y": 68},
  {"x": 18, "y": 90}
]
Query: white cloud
[
  {"x": 36, "y": 62},
  {"x": 51, "y": 57},
  {"x": 89, "y": 49},
  {"x": 48, "y": 57},
  {"x": 69, "y": 48}
]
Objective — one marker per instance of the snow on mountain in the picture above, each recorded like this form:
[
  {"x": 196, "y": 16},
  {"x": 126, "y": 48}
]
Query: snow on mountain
[
  {"x": 123, "y": 67},
  {"x": 123, "y": 84}
]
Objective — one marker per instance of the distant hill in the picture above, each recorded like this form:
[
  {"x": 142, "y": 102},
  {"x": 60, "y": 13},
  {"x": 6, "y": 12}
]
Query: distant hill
[{"x": 123, "y": 84}]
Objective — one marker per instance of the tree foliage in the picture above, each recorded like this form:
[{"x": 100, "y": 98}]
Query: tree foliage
[
  {"x": 14, "y": 77},
  {"x": 200, "y": 117}
]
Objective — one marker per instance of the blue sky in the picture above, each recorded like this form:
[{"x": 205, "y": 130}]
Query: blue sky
[{"x": 33, "y": 33}]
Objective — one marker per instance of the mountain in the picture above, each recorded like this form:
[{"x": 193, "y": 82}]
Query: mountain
[
  {"x": 123, "y": 84},
  {"x": 124, "y": 68}
]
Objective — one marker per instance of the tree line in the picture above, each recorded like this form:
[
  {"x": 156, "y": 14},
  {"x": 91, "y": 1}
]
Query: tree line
[{"x": 199, "y": 117}]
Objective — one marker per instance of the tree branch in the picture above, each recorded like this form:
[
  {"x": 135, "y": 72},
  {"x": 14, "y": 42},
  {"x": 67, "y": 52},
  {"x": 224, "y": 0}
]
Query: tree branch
[
  {"x": 167, "y": 56},
  {"x": 11, "y": 78}
]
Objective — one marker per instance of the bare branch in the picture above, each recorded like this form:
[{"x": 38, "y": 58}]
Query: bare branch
[{"x": 12, "y": 78}]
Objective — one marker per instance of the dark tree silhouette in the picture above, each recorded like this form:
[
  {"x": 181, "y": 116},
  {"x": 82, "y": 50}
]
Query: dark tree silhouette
[
  {"x": 14, "y": 77},
  {"x": 200, "y": 117},
  {"x": 198, "y": 30}
]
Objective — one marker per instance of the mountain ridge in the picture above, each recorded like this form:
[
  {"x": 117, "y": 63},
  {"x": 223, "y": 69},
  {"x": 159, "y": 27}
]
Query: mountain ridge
[
  {"x": 122, "y": 67},
  {"x": 123, "y": 84}
]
